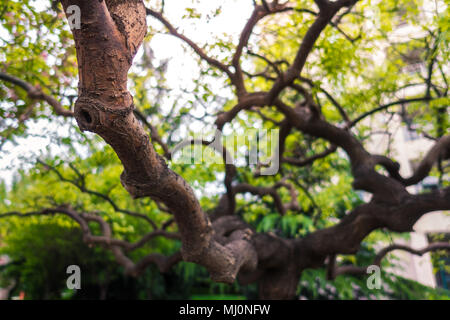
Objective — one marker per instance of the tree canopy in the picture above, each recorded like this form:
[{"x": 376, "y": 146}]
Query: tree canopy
[{"x": 326, "y": 76}]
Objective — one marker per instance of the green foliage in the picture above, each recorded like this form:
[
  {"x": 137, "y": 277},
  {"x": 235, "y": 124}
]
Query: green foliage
[
  {"x": 42, "y": 250},
  {"x": 313, "y": 285},
  {"x": 41, "y": 41},
  {"x": 36, "y": 46}
]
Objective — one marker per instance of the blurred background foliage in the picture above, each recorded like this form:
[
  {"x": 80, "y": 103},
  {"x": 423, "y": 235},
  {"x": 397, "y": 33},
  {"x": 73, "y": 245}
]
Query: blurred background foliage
[{"x": 36, "y": 46}]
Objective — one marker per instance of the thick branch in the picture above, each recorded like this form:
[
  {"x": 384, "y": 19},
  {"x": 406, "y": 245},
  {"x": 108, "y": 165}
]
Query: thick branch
[
  {"x": 355, "y": 270},
  {"x": 439, "y": 151},
  {"x": 346, "y": 236},
  {"x": 105, "y": 107}
]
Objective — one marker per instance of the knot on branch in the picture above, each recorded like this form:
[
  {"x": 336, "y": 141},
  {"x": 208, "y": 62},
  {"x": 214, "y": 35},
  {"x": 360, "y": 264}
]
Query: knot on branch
[
  {"x": 92, "y": 114},
  {"x": 225, "y": 251}
]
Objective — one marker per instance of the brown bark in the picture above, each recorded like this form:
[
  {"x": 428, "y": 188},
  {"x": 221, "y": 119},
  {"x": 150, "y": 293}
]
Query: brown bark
[{"x": 111, "y": 32}]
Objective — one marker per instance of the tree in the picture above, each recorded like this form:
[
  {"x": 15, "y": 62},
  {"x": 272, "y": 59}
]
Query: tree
[{"x": 316, "y": 86}]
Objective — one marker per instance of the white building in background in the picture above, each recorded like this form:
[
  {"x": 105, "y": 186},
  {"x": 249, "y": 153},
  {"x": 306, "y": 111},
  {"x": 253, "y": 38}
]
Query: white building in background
[
  {"x": 4, "y": 292},
  {"x": 408, "y": 148}
]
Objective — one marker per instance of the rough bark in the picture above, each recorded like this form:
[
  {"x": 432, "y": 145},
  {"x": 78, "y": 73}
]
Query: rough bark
[{"x": 110, "y": 34}]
